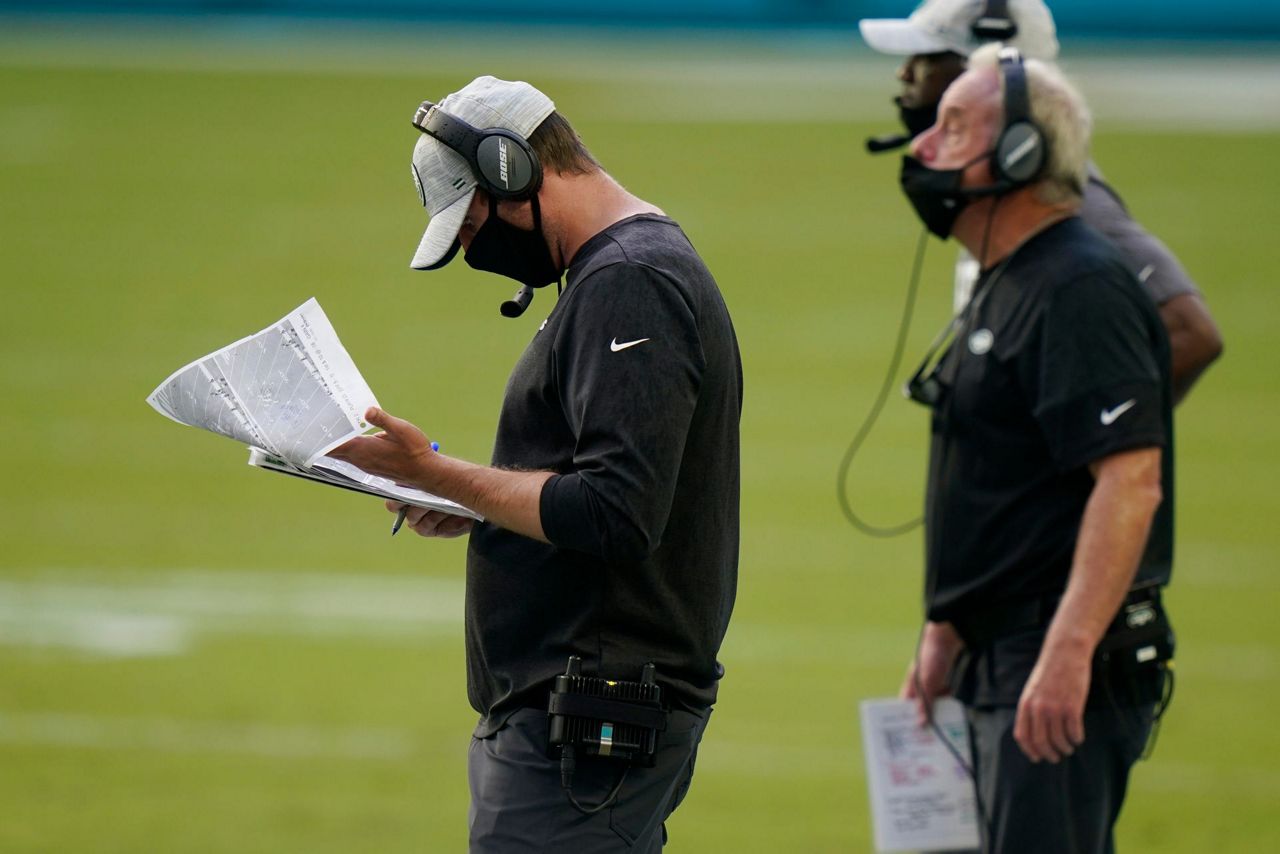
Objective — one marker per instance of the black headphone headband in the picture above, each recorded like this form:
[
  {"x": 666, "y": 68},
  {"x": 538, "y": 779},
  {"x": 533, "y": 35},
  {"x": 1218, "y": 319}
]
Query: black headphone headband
[
  {"x": 504, "y": 164},
  {"x": 1017, "y": 105},
  {"x": 1021, "y": 151}
]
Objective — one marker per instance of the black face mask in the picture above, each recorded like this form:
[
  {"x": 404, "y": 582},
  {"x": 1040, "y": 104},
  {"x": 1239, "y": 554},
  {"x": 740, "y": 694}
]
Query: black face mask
[
  {"x": 917, "y": 120},
  {"x": 936, "y": 195},
  {"x": 502, "y": 248}
]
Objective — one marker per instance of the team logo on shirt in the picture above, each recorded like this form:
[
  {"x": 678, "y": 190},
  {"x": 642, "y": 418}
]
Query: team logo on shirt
[{"x": 980, "y": 342}]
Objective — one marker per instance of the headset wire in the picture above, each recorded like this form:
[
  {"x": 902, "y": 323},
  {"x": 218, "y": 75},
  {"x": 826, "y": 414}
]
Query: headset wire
[{"x": 873, "y": 415}]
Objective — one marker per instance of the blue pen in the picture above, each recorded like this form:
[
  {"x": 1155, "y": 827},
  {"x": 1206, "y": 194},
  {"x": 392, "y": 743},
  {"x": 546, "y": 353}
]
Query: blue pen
[{"x": 404, "y": 511}]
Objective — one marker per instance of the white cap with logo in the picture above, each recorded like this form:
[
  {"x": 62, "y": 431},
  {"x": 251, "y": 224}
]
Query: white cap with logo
[
  {"x": 947, "y": 25},
  {"x": 443, "y": 177}
]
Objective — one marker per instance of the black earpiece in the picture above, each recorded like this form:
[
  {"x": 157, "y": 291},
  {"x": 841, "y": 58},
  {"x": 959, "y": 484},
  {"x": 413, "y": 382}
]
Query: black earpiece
[
  {"x": 504, "y": 164},
  {"x": 994, "y": 24},
  {"x": 1021, "y": 151}
]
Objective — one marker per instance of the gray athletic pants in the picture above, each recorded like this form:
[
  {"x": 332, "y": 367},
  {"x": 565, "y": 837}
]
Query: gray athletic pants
[{"x": 518, "y": 805}]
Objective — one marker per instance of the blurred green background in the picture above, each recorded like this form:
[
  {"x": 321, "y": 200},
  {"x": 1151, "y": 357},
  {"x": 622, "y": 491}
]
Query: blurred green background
[{"x": 197, "y": 656}]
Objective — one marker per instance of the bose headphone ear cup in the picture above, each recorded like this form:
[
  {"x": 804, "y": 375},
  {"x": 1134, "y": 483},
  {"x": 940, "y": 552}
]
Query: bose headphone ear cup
[
  {"x": 1019, "y": 155},
  {"x": 994, "y": 23},
  {"x": 1020, "y": 152},
  {"x": 502, "y": 162},
  {"x": 508, "y": 167}
]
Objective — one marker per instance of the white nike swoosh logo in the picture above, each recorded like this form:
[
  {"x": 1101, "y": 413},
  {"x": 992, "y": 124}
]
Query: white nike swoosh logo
[
  {"x": 615, "y": 346},
  {"x": 1109, "y": 416}
]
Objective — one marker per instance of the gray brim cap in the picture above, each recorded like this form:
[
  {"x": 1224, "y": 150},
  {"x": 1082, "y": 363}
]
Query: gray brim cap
[
  {"x": 946, "y": 25},
  {"x": 443, "y": 177}
]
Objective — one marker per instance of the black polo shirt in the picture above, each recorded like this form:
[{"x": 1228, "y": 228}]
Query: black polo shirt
[
  {"x": 631, "y": 392},
  {"x": 1063, "y": 360}
]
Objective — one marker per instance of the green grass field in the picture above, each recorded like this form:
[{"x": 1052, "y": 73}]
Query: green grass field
[{"x": 199, "y": 657}]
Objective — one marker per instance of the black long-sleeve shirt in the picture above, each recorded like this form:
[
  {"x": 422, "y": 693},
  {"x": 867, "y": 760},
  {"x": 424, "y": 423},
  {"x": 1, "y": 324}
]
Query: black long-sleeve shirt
[{"x": 631, "y": 393}]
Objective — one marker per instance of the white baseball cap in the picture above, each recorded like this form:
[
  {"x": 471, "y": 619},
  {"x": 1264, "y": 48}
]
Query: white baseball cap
[
  {"x": 946, "y": 25},
  {"x": 443, "y": 177}
]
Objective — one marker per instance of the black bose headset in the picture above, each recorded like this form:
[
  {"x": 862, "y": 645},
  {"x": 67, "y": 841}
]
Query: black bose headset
[
  {"x": 1021, "y": 151},
  {"x": 994, "y": 24},
  {"x": 504, "y": 164}
]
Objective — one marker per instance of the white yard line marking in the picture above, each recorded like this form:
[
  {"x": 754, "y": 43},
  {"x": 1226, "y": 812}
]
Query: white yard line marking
[
  {"x": 797, "y": 761},
  {"x": 178, "y": 736},
  {"x": 120, "y": 614}
]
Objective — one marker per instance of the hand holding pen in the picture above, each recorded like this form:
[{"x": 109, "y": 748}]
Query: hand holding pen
[
  {"x": 401, "y": 452},
  {"x": 432, "y": 523},
  {"x": 404, "y": 508}
]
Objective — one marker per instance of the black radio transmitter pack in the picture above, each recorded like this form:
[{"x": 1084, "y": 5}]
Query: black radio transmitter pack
[
  {"x": 1140, "y": 636},
  {"x": 606, "y": 717},
  {"x": 609, "y": 718}
]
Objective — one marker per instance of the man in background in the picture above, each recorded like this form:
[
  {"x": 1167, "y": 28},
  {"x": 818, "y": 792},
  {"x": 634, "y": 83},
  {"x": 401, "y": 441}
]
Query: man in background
[
  {"x": 610, "y": 508},
  {"x": 936, "y": 41},
  {"x": 1050, "y": 472}
]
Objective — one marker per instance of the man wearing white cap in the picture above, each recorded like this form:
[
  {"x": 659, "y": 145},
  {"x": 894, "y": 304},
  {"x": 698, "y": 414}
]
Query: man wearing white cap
[
  {"x": 936, "y": 40},
  {"x": 609, "y": 544}
]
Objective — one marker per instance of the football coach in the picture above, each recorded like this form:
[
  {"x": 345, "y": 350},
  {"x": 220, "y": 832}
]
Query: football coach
[
  {"x": 1050, "y": 472},
  {"x": 610, "y": 532}
]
